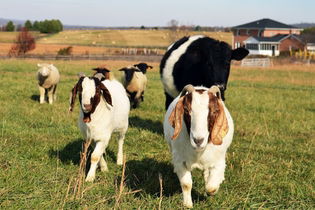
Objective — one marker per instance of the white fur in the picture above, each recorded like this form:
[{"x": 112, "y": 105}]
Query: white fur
[
  {"x": 48, "y": 77},
  {"x": 105, "y": 120},
  {"x": 186, "y": 155},
  {"x": 168, "y": 80}
]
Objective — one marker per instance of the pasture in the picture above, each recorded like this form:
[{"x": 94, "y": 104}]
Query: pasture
[
  {"x": 270, "y": 163},
  {"x": 104, "y": 41}
]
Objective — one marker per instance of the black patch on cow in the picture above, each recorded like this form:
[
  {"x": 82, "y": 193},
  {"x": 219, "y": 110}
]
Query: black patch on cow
[{"x": 176, "y": 45}]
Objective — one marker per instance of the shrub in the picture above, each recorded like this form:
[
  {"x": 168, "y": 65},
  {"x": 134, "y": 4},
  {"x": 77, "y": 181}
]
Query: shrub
[
  {"x": 24, "y": 43},
  {"x": 65, "y": 51}
]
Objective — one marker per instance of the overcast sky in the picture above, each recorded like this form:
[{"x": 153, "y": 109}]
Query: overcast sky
[{"x": 159, "y": 12}]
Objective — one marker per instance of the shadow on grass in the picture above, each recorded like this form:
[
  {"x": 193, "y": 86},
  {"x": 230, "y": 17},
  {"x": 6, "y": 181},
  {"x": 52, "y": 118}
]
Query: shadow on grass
[
  {"x": 35, "y": 97},
  {"x": 147, "y": 124},
  {"x": 71, "y": 153},
  {"x": 144, "y": 175}
]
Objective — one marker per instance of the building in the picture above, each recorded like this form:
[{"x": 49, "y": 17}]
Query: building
[{"x": 267, "y": 37}]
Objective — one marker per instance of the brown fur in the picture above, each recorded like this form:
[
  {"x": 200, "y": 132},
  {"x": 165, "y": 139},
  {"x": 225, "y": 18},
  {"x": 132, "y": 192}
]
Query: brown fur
[{"x": 217, "y": 122}]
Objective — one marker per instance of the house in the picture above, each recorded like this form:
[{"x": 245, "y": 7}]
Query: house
[{"x": 267, "y": 37}]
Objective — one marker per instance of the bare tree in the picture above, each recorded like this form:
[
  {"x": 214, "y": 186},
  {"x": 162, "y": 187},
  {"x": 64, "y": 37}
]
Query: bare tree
[
  {"x": 24, "y": 43},
  {"x": 173, "y": 29}
]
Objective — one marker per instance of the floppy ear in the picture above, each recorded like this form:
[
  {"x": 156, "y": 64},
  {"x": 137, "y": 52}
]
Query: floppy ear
[
  {"x": 239, "y": 53},
  {"x": 218, "y": 122},
  {"x": 106, "y": 94},
  {"x": 73, "y": 94},
  {"x": 176, "y": 117}
]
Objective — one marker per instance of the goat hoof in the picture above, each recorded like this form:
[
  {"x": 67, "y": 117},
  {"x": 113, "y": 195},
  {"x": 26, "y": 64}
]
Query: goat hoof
[
  {"x": 104, "y": 169},
  {"x": 212, "y": 190},
  {"x": 89, "y": 179},
  {"x": 188, "y": 205}
]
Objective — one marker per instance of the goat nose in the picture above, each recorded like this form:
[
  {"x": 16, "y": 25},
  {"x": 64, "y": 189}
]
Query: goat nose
[
  {"x": 87, "y": 106},
  {"x": 198, "y": 141}
]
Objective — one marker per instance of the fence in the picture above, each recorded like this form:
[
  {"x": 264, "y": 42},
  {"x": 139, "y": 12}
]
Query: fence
[{"x": 263, "y": 62}]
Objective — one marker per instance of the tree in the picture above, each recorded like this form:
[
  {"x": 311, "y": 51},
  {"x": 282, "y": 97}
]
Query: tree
[
  {"x": 50, "y": 26},
  {"x": 36, "y": 25},
  {"x": 28, "y": 25},
  {"x": 24, "y": 43},
  {"x": 173, "y": 25},
  {"x": 308, "y": 35},
  {"x": 197, "y": 28},
  {"x": 10, "y": 26}
]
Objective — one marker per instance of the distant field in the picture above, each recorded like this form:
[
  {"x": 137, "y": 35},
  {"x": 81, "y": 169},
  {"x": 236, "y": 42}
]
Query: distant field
[
  {"x": 9, "y": 37},
  {"x": 104, "y": 41},
  {"x": 126, "y": 38},
  {"x": 270, "y": 164}
]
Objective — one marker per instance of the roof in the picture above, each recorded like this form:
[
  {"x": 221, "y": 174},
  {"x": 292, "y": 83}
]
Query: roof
[
  {"x": 263, "y": 24},
  {"x": 277, "y": 38}
]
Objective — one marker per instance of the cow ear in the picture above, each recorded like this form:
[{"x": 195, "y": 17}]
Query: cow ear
[{"x": 239, "y": 53}]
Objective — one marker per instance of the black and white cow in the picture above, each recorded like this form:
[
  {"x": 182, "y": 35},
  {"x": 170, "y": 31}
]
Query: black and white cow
[{"x": 197, "y": 60}]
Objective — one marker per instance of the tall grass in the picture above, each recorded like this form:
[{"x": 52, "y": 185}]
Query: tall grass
[{"x": 270, "y": 163}]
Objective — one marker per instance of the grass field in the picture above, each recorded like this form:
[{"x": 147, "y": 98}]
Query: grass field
[{"x": 270, "y": 164}]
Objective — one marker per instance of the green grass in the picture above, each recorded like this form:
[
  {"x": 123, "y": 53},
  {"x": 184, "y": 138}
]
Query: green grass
[{"x": 270, "y": 163}]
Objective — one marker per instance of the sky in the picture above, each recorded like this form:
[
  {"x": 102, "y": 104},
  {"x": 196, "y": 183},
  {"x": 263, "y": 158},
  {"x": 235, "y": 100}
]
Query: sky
[{"x": 111, "y": 13}]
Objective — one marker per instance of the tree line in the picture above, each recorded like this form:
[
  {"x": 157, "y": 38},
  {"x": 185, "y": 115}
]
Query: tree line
[{"x": 46, "y": 26}]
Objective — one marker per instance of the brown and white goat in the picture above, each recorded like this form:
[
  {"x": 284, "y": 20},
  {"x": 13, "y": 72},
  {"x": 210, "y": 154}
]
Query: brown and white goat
[
  {"x": 199, "y": 129},
  {"x": 104, "y": 109}
]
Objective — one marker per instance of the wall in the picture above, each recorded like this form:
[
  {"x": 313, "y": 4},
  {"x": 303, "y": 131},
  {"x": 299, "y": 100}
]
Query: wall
[{"x": 295, "y": 44}]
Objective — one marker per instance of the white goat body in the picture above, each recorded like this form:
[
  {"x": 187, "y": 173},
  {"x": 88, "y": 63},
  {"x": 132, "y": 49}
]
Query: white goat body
[{"x": 198, "y": 146}]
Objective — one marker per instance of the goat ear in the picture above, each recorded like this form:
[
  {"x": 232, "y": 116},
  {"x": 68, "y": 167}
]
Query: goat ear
[
  {"x": 176, "y": 117},
  {"x": 106, "y": 94},
  {"x": 73, "y": 96},
  {"x": 219, "y": 127},
  {"x": 73, "y": 93},
  {"x": 239, "y": 53}
]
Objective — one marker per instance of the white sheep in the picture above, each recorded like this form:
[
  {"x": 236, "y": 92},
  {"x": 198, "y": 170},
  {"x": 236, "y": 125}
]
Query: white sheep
[
  {"x": 202, "y": 141},
  {"x": 104, "y": 109},
  {"x": 48, "y": 77},
  {"x": 135, "y": 82}
]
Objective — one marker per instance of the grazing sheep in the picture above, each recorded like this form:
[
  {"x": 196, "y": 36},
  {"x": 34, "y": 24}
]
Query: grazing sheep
[
  {"x": 135, "y": 82},
  {"x": 48, "y": 77},
  {"x": 198, "y": 129},
  {"x": 104, "y": 109},
  {"x": 197, "y": 60}
]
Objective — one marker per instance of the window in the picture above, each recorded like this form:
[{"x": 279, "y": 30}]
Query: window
[
  {"x": 252, "y": 46},
  {"x": 237, "y": 45},
  {"x": 267, "y": 47}
]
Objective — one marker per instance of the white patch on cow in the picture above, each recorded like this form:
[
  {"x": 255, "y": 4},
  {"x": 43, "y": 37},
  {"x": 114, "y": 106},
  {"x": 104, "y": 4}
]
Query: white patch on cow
[{"x": 168, "y": 80}]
